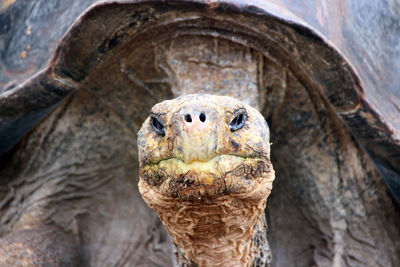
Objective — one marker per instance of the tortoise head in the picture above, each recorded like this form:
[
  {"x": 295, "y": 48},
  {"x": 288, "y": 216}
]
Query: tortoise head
[
  {"x": 205, "y": 169},
  {"x": 202, "y": 146}
]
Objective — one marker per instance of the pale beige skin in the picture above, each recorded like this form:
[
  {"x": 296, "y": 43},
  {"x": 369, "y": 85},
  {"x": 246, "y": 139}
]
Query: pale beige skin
[{"x": 207, "y": 182}]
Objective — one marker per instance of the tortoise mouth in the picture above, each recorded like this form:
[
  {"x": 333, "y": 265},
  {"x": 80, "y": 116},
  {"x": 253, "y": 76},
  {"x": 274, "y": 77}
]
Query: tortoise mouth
[{"x": 199, "y": 179}]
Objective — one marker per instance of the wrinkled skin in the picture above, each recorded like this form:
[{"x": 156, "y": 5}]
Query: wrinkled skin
[{"x": 207, "y": 181}]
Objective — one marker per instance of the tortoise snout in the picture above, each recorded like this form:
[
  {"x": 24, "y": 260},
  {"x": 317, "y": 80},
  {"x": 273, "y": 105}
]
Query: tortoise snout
[
  {"x": 194, "y": 120},
  {"x": 196, "y": 133}
]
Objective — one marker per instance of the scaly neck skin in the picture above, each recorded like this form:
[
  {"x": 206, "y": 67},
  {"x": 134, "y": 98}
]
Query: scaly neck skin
[{"x": 218, "y": 233}]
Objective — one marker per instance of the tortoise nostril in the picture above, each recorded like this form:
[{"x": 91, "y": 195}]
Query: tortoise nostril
[
  {"x": 202, "y": 117},
  {"x": 188, "y": 118}
]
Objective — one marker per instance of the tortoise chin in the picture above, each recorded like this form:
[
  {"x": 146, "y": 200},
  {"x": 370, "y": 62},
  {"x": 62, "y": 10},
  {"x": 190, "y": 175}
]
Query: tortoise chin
[{"x": 205, "y": 180}]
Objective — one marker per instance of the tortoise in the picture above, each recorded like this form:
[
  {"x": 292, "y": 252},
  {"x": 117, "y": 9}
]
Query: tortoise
[
  {"x": 205, "y": 169},
  {"x": 78, "y": 79}
]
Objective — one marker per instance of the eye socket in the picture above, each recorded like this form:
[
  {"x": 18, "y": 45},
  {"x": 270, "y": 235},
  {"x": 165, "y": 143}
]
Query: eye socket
[
  {"x": 238, "y": 121},
  {"x": 157, "y": 125}
]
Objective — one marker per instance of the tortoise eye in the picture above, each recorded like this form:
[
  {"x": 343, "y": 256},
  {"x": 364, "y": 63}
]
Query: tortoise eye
[
  {"x": 238, "y": 121},
  {"x": 157, "y": 125}
]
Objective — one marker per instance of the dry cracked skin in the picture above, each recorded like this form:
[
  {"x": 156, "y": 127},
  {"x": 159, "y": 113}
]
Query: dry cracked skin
[{"x": 205, "y": 169}]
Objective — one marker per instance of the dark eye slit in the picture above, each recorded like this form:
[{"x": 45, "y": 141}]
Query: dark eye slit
[
  {"x": 238, "y": 122},
  {"x": 157, "y": 125},
  {"x": 239, "y": 119}
]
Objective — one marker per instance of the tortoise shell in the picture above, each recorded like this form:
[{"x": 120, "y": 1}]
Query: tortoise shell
[{"x": 79, "y": 77}]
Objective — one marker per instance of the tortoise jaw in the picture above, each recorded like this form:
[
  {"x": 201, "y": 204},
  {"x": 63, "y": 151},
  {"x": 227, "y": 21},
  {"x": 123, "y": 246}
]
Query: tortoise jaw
[{"x": 204, "y": 179}]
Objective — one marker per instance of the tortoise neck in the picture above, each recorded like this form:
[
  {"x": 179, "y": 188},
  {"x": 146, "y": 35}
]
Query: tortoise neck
[
  {"x": 217, "y": 234},
  {"x": 259, "y": 247},
  {"x": 212, "y": 233}
]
